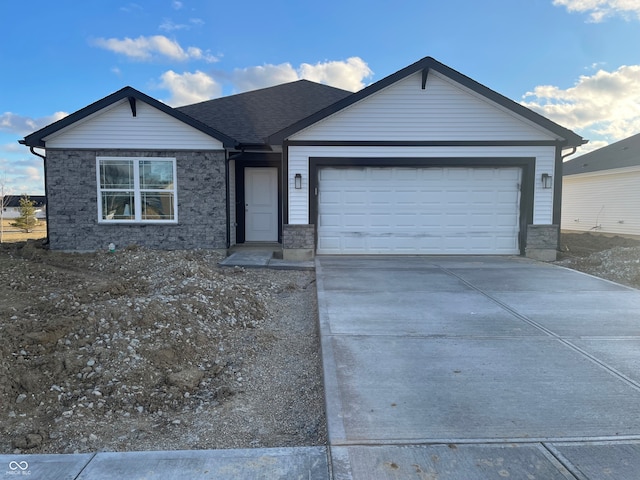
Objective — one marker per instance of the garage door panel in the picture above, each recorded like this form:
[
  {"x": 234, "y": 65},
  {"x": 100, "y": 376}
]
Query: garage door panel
[{"x": 418, "y": 210}]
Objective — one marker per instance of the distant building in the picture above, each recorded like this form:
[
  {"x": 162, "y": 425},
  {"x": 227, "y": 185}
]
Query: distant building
[
  {"x": 12, "y": 206},
  {"x": 601, "y": 190}
]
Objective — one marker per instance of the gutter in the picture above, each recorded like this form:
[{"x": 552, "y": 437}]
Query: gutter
[
  {"x": 46, "y": 193},
  {"x": 573, "y": 150}
]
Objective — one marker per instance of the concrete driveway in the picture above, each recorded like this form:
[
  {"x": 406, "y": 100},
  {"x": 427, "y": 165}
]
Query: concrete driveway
[{"x": 478, "y": 367}]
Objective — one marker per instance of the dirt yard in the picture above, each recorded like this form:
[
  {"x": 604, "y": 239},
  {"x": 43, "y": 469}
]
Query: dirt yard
[
  {"x": 148, "y": 350},
  {"x": 145, "y": 350},
  {"x": 614, "y": 258}
]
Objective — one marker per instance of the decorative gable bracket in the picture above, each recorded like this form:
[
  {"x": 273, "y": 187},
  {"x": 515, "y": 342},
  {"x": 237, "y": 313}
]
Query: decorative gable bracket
[
  {"x": 132, "y": 104},
  {"x": 425, "y": 74}
]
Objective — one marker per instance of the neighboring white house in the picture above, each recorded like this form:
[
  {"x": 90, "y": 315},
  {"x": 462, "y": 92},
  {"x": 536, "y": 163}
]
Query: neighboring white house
[
  {"x": 601, "y": 190},
  {"x": 12, "y": 206}
]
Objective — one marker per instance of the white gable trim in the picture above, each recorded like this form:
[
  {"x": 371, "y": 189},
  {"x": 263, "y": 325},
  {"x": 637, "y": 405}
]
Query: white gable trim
[
  {"x": 445, "y": 110},
  {"x": 115, "y": 127}
]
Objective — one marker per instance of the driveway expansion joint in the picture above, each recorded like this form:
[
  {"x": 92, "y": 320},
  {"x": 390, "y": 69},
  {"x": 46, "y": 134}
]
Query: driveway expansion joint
[{"x": 550, "y": 333}]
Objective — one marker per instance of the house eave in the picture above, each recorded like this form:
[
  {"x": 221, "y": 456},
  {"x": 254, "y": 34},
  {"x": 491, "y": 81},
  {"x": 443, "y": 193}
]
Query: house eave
[
  {"x": 564, "y": 135},
  {"x": 37, "y": 139}
]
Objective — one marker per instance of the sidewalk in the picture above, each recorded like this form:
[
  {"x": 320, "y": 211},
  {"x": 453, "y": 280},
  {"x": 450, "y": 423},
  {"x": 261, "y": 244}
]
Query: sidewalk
[{"x": 270, "y": 463}]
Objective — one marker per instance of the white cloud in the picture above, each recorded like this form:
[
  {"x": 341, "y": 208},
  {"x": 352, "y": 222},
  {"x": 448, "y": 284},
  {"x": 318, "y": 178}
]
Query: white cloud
[
  {"x": 176, "y": 5},
  {"x": 148, "y": 48},
  {"x": 169, "y": 25},
  {"x": 22, "y": 125},
  {"x": 349, "y": 74},
  {"x": 606, "y": 103},
  {"x": 196, "y": 87},
  {"x": 132, "y": 7},
  {"x": 22, "y": 175},
  {"x": 12, "y": 148},
  {"x": 187, "y": 88},
  {"x": 600, "y": 9},
  {"x": 252, "y": 78}
]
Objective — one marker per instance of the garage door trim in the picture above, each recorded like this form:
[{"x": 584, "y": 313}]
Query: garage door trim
[{"x": 526, "y": 163}]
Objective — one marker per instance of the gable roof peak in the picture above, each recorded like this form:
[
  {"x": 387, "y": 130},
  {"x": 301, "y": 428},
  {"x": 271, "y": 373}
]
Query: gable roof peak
[
  {"x": 36, "y": 139},
  {"x": 426, "y": 64}
]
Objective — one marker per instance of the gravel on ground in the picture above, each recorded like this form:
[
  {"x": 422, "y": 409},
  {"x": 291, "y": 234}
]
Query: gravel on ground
[
  {"x": 615, "y": 258},
  {"x": 148, "y": 350}
]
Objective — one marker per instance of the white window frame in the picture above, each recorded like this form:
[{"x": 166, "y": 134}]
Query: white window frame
[{"x": 137, "y": 191}]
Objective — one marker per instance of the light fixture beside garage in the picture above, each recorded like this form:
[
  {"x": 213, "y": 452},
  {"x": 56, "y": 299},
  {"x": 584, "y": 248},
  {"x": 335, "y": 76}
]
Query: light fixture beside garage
[
  {"x": 298, "y": 181},
  {"x": 547, "y": 180}
]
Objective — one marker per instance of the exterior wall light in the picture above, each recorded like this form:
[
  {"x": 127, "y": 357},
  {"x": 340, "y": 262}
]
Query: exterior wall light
[
  {"x": 298, "y": 181},
  {"x": 547, "y": 180}
]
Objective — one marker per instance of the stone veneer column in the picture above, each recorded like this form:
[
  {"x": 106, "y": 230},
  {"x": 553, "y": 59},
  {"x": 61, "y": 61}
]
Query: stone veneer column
[
  {"x": 298, "y": 242},
  {"x": 542, "y": 242}
]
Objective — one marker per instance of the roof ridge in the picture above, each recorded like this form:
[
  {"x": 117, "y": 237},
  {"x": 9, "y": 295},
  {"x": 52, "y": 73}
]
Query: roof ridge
[{"x": 262, "y": 90}]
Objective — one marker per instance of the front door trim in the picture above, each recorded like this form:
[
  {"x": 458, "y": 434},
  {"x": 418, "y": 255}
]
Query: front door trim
[{"x": 248, "y": 160}]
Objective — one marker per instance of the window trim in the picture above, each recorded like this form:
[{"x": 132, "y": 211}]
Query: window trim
[{"x": 137, "y": 192}]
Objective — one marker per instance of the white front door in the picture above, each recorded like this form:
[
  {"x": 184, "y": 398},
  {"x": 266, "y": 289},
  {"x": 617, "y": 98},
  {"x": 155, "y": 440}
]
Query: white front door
[{"x": 261, "y": 204}]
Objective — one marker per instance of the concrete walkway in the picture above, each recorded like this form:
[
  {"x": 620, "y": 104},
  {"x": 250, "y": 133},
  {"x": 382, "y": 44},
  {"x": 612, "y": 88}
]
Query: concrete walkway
[
  {"x": 477, "y": 368},
  {"x": 262, "y": 257},
  {"x": 442, "y": 368},
  {"x": 308, "y": 463}
]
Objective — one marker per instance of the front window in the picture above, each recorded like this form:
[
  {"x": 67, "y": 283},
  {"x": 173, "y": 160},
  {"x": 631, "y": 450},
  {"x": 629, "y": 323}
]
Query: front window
[{"x": 136, "y": 189}]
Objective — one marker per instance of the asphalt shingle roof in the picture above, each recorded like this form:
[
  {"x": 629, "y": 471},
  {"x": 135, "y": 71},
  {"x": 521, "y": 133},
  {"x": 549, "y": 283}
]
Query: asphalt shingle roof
[
  {"x": 252, "y": 116},
  {"x": 625, "y": 153}
]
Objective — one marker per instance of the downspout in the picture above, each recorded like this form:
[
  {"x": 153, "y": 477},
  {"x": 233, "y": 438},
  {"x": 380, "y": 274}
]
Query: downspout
[
  {"x": 573, "y": 150},
  {"x": 229, "y": 156},
  {"x": 557, "y": 200},
  {"x": 228, "y": 206},
  {"x": 46, "y": 193}
]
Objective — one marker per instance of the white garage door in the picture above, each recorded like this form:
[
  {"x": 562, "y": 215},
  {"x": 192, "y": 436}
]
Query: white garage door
[{"x": 453, "y": 210}]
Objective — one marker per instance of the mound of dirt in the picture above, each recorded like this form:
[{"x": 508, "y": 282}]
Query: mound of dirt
[
  {"x": 614, "y": 258},
  {"x": 148, "y": 350}
]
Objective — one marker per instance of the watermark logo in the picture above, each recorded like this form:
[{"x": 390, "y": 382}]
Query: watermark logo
[{"x": 18, "y": 468}]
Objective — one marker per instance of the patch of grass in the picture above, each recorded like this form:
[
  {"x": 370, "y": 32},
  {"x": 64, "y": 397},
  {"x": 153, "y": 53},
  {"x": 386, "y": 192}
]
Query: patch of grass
[{"x": 13, "y": 234}]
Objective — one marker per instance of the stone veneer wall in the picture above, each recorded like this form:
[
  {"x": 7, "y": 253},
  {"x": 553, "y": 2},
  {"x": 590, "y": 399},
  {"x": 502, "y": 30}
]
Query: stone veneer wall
[
  {"x": 73, "y": 211},
  {"x": 542, "y": 242},
  {"x": 298, "y": 242}
]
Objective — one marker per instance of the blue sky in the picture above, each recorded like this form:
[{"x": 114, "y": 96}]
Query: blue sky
[{"x": 575, "y": 61}]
